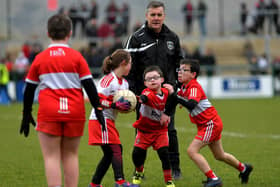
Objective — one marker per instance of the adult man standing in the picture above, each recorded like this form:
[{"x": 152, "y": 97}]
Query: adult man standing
[{"x": 155, "y": 44}]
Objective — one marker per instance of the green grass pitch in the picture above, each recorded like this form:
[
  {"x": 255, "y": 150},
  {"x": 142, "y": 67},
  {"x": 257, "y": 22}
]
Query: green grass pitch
[{"x": 251, "y": 133}]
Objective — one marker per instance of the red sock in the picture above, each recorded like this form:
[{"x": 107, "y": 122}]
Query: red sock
[
  {"x": 241, "y": 167},
  {"x": 140, "y": 169},
  {"x": 94, "y": 185},
  {"x": 210, "y": 174},
  {"x": 120, "y": 182},
  {"x": 167, "y": 175}
]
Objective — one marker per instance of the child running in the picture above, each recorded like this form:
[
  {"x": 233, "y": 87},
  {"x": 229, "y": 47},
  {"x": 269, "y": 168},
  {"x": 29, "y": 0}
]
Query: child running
[
  {"x": 115, "y": 67},
  {"x": 209, "y": 124},
  {"x": 149, "y": 130}
]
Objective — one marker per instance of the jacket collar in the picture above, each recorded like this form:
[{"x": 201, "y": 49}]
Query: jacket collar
[{"x": 163, "y": 32}]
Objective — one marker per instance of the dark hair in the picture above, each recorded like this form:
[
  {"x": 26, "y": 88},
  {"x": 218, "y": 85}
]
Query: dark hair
[
  {"x": 156, "y": 4},
  {"x": 114, "y": 60},
  {"x": 59, "y": 26},
  {"x": 152, "y": 68},
  {"x": 194, "y": 65}
]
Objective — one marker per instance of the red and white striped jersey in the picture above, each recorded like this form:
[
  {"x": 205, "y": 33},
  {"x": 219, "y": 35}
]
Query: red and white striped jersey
[
  {"x": 151, "y": 111},
  {"x": 58, "y": 71},
  {"x": 107, "y": 87},
  {"x": 204, "y": 111}
]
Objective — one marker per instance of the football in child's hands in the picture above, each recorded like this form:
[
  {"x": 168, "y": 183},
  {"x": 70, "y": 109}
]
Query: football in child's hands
[{"x": 127, "y": 95}]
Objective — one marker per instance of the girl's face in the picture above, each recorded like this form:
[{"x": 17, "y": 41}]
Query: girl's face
[
  {"x": 127, "y": 67},
  {"x": 184, "y": 74},
  {"x": 153, "y": 81}
]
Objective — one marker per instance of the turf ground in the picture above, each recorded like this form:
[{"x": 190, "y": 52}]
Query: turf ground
[{"x": 251, "y": 133}]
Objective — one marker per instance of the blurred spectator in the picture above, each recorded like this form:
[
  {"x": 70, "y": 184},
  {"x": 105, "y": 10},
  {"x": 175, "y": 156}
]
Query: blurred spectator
[
  {"x": 261, "y": 12},
  {"x": 91, "y": 32},
  {"x": 4, "y": 80},
  {"x": 209, "y": 61},
  {"x": 36, "y": 48},
  {"x": 273, "y": 15},
  {"x": 26, "y": 49},
  {"x": 251, "y": 21},
  {"x": 94, "y": 10},
  {"x": 187, "y": 10},
  {"x": 105, "y": 30},
  {"x": 21, "y": 66},
  {"x": 276, "y": 67},
  {"x": 73, "y": 11},
  {"x": 118, "y": 28},
  {"x": 79, "y": 15},
  {"x": 243, "y": 18},
  {"x": 197, "y": 54},
  {"x": 124, "y": 14},
  {"x": 112, "y": 12},
  {"x": 263, "y": 65},
  {"x": 95, "y": 60},
  {"x": 250, "y": 54},
  {"x": 202, "y": 10}
]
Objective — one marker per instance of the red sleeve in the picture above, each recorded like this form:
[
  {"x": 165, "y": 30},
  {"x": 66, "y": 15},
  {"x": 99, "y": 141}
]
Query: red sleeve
[
  {"x": 106, "y": 101},
  {"x": 194, "y": 93}
]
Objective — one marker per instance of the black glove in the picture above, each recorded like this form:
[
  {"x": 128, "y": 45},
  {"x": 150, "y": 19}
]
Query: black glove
[
  {"x": 100, "y": 117},
  {"x": 26, "y": 120}
]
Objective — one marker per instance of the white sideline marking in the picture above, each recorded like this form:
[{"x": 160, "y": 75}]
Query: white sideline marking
[
  {"x": 226, "y": 133},
  {"x": 238, "y": 135}
]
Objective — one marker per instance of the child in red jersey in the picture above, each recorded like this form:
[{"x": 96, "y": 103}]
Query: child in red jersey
[
  {"x": 149, "y": 130},
  {"x": 209, "y": 124},
  {"x": 59, "y": 72},
  {"x": 115, "y": 67}
]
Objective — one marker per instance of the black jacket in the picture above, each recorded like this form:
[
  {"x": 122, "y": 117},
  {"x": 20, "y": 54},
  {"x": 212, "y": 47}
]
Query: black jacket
[{"x": 149, "y": 48}]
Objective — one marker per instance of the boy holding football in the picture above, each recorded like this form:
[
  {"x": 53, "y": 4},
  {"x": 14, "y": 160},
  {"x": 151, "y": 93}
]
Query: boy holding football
[
  {"x": 209, "y": 124},
  {"x": 149, "y": 130}
]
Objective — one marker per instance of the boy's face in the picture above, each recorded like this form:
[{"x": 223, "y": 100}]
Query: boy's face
[
  {"x": 153, "y": 80},
  {"x": 184, "y": 74}
]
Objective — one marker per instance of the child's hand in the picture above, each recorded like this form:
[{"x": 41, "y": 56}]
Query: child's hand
[
  {"x": 169, "y": 88},
  {"x": 164, "y": 119}
]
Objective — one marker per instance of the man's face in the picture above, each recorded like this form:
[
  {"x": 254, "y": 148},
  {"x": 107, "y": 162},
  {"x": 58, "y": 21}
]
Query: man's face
[{"x": 155, "y": 18}]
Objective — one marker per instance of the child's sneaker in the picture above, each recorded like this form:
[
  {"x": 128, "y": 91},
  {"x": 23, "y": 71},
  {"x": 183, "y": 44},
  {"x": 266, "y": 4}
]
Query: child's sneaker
[
  {"x": 94, "y": 185},
  {"x": 213, "y": 183},
  {"x": 170, "y": 184},
  {"x": 125, "y": 184},
  {"x": 137, "y": 178},
  {"x": 245, "y": 175}
]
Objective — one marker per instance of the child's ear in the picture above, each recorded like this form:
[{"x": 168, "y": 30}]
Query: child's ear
[
  {"x": 123, "y": 63},
  {"x": 162, "y": 79}
]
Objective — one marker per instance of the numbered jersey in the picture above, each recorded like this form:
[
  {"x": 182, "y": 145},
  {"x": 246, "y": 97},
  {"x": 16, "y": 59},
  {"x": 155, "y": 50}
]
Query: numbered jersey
[
  {"x": 58, "y": 71},
  {"x": 107, "y": 87},
  {"x": 151, "y": 111}
]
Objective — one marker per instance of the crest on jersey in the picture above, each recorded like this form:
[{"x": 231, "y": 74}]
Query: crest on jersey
[{"x": 170, "y": 45}]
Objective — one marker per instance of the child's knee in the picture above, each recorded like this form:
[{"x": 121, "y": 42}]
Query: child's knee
[{"x": 219, "y": 157}]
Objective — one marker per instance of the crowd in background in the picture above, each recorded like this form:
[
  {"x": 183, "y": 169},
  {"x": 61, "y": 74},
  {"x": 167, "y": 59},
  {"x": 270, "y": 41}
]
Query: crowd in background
[{"x": 111, "y": 33}]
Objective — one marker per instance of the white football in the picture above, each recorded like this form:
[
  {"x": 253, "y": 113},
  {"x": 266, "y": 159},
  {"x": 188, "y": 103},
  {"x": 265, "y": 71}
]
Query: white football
[{"x": 128, "y": 95}]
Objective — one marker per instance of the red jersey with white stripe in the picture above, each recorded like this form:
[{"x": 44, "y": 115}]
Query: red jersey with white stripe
[
  {"x": 150, "y": 112},
  {"x": 204, "y": 111},
  {"x": 58, "y": 71},
  {"x": 107, "y": 87}
]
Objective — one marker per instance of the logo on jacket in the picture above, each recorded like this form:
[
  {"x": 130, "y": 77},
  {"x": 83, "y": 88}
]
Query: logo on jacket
[{"x": 170, "y": 45}]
